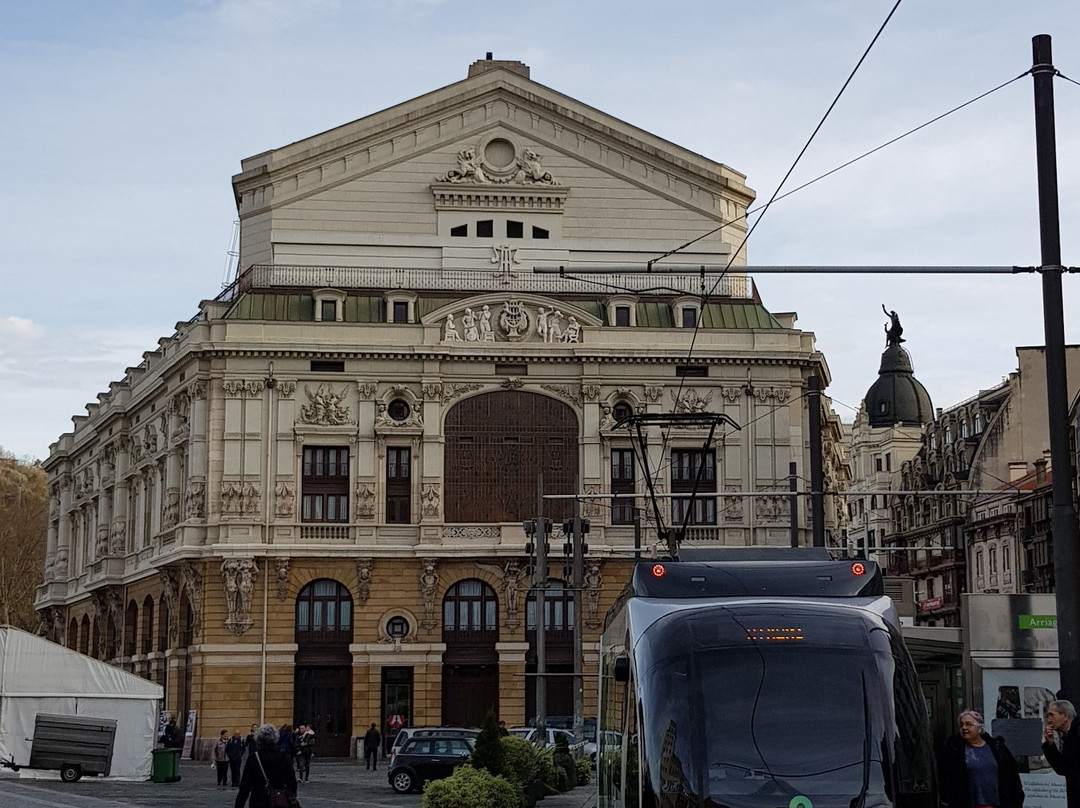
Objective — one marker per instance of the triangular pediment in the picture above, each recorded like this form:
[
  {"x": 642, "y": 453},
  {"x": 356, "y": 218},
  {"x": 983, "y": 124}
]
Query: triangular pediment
[{"x": 435, "y": 129}]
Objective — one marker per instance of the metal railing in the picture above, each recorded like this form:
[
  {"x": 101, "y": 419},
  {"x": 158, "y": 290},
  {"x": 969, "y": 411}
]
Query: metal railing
[{"x": 291, "y": 276}]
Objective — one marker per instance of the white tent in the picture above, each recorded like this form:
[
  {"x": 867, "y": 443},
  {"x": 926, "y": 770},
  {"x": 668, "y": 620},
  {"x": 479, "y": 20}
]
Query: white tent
[{"x": 39, "y": 676}]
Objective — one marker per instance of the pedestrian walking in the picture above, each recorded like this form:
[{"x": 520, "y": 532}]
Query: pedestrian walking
[
  {"x": 372, "y": 741},
  {"x": 305, "y": 749},
  {"x": 266, "y": 764},
  {"x": 234, "y": 751},
  {"x": 221, "y": 760},
  {"x": 977, "y": 770},
  {"x": 1061, "y": 745},
  {"x": 287, "y": 741}
]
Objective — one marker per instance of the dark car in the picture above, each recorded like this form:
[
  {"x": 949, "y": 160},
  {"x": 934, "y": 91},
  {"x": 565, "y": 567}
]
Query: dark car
[{"x": 431, "y": 758}]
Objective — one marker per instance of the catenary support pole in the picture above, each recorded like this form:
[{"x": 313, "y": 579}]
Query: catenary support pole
[
  {"x": 1063, "y": 515},
  {"x": 793, "y": 487},
  {"x": 817, "y": 471},
  {"x": 578, "y": 581},
  {"x": 541, "y": 537}
]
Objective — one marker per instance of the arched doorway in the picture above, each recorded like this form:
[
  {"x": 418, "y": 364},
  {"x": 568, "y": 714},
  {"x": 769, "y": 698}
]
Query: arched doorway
[
  {"x": 322, "y": 688},
  {"x": 496, "y": 445},
  {"x": 471, "y": 661},
  {"x": 558, "y": 649}
]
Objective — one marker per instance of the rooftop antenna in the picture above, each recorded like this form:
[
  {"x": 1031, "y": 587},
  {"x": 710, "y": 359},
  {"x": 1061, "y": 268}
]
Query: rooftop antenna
[{"x": 232, "y": 256}]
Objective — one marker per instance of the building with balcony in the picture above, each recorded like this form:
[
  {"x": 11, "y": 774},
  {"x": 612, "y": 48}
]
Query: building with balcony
[
  {"x": 951, "y": 541},
  {"x": 306, "y": 504}
]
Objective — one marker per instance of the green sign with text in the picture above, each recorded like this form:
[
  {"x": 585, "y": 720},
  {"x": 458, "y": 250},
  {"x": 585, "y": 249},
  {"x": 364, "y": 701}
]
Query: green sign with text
[{"x": 1038, "y": 621}]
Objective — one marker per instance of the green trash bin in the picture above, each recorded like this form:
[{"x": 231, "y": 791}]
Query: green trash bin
[{"x": 166, "y": 766}]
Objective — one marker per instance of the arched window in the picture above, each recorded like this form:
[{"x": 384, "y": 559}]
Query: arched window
[
  {"x": 163, "y": 627},
  {"x": 84, "y": 635},
  {"x": 131, "y": 627},
  {"x": 146, "y": 645},
  {"x": 73, "y": 635},
  {"x": 470, "y": 606},
  {"x": 558, "y": 608},
  {"x": 976, "y": 423},
  {"x": 323, "y": 613}
]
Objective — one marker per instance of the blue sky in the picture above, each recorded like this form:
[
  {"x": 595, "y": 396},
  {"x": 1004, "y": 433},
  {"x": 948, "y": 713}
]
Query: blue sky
[{"x": 124, "y": 122}]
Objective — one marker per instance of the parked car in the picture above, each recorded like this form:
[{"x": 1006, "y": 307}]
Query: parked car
[
  {"x": 427, "y": 758},
  {"x": 529, "y": 734},
  {"x": 406, "y": 733}
]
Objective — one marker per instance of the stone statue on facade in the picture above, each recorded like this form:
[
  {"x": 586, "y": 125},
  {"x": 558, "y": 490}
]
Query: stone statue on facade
[
  {"x": 238, "y": 577},
  {"x": 486, "y": 334},
  {"x": 326, "y": 407},
  {"x": 469, "y": 323},
  {"x": 429, "y": 581},
  {"x": 451, "y": 332}
]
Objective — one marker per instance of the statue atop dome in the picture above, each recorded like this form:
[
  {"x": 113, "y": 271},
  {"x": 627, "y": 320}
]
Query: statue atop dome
[{"x": 893, "y": 332}]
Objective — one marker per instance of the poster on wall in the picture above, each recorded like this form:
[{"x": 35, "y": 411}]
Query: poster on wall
[
  {"x": 189, "y": 734},
  {"x": 1014, "y": 708}
]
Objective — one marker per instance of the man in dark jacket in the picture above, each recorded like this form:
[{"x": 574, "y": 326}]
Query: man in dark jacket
[
  {"x": 961, "y": 761},
  {"x": 172, "y": 738},
  {"x": 234, "y": 751},
  {"x": 372, "y": 739},
  {"x": 1061, "y": 723}
]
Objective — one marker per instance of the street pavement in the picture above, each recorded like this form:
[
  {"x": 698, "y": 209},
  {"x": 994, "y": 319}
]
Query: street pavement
[{"x": 333, "y": 785}]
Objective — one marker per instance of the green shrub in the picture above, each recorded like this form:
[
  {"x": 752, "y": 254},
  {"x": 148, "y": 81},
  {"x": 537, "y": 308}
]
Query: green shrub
[
  {"x": 520, "y": 761},
  {"x": 563, "y": 760},
  {"x": 488, "y": 751},
  {"x": 584, "y": 770},
  {"x": 475, "y": 788},
  {"x": 553, "y": 777}
]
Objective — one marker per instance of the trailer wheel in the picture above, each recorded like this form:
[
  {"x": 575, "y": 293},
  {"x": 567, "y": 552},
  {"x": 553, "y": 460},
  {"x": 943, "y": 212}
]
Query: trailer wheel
[{"x": 70, "y": 772}]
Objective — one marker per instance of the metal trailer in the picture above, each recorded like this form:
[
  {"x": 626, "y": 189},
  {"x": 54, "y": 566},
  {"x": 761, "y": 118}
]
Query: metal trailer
[{"x": 73, "y": 744}]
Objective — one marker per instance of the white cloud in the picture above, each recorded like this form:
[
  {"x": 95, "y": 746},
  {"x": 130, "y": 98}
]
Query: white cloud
[{"x": 19, "y": 327}]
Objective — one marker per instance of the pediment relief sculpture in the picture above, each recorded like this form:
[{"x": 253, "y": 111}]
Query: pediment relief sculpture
[
  {"x": 515, "y": 321},
  {"x": 498, "y": 161}
]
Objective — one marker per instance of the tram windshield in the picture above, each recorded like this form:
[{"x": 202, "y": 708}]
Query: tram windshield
[{"x": 780, "y": 706}]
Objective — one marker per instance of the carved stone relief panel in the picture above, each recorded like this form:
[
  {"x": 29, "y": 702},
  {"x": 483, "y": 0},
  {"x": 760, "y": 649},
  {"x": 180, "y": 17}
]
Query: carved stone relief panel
[
  {"x": 363, "y": 578},
  {"x": 238, "y": 577},
  {"x": 193, "y": 586},
  {"x": 429, "y": 582},
  {"x": 326, "y": 406},
  {"x": 281, "y": 564}
]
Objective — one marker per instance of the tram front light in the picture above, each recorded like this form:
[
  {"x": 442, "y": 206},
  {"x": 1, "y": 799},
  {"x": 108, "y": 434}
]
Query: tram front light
[
  {"x": 658, "y": 571},
  {"x": 858, "y": 568}
]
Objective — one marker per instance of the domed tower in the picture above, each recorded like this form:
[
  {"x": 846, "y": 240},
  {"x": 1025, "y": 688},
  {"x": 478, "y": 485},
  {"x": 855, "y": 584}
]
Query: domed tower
[
  {"x": 897, "y": 398},
  {"x": 887, "y": 431}
]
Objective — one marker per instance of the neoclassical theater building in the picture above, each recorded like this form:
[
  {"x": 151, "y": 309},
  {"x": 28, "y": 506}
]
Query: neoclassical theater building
[{"x": 306, "y": 504}]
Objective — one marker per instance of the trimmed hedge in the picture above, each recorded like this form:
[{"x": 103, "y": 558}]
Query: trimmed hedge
[{"x": 475, "y": 788}]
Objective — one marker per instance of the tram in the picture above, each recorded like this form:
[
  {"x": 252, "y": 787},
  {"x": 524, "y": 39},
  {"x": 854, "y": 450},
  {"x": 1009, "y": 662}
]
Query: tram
[{"x": 760, "y": 683}]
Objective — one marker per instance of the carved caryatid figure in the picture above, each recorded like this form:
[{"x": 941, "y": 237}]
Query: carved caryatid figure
[
  {"x": 238, "y": 578},
  {"x": 486, "y": 334},
  {"x": 894, "y": 332},
  {"x": 469, "y": 323},
  {"x": 451, "y": 332}
]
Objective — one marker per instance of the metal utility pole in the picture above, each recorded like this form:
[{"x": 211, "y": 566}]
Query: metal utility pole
[
  {"x": 793, "y": 487},
  {"x": 1063, "y": 524},
  {"x": 541, "y": 538},
  {"x": 579, "y": 528},
  {"x": 817, "y": 471}
]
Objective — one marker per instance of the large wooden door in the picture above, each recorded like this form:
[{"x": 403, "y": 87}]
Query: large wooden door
[
  {"x": 323, "y": 699},
  {"x": 497, "y": 444},
  {"x": 469, "y": 691}
]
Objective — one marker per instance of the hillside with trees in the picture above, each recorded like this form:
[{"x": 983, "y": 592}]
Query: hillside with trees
[{"x": 23, "y": 526}]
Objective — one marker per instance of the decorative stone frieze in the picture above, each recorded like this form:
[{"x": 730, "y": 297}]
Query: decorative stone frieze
[
  {"x": 284, "y": 499},
  {"x": 243, "y": 388},
  {"x": 452, "y": 390},
  {"x": 567, "y": 391},
  {"x": 590, "y": 508},
  {"x": 195, "y": 500},
  {"x": 480, "y": 533},
  {"x": 366, "y": 390},
  {"x": 498, "y": 161},
  {"x": 286, "y": 388},
  {"x": 513, "y": 383},
  {"x": 240, "y": 499},
  {"x": 653, "y": 393},
  {"x": 326, "y": 406},
  {"x": 432, "y": 391},
  {"x": 431, "y": 499},
  {"x": 365, "y": 501},
  {"x": 690, "y": 401}
]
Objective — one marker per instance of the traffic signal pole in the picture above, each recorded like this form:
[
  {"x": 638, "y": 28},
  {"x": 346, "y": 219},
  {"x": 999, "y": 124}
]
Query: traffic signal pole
[{"x": 1063, "y": 524}]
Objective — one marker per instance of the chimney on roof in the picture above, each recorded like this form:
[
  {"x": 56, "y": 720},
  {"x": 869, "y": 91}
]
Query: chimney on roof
[
  {"x": 1040, "y": 471},
  {"x": 1017, "y": 470},
  {"x": 484, "y": 65}
]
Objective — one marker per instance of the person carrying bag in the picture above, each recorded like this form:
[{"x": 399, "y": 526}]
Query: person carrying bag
[{"x": 268, "y": 779}]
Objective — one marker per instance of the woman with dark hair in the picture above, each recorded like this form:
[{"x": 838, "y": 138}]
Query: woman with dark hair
[
  {"x": 265, "y": 763},
  {"x": 977, "y": 770}
]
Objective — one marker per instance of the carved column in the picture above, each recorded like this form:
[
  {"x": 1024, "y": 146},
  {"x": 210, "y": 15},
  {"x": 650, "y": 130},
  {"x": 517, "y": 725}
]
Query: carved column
[
  {"x": 198, "y": 430},
  {"x": 63, "y": 545},
  {"x": 52, "y": 539}
]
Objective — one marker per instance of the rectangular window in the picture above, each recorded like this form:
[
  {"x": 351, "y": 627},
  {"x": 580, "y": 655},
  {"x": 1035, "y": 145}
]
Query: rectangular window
[
  {"x": 515, "y": 229},
  {"x": 539, "y": 232},
  {"x": 622, "y": 316},
  {"x": 877, "y": 463},
  {"x": 461, "y": 231},
  {"x": 401, "y": 311},
  {"x": 398, "y": 485},
  {"x": 692, "y": 371},
  {"x": 325, "y": 484},
  {"x": 485, "y": 228},
  {"x": 327, "y": 366},
  {"x": 329, "y": 311},
  {"x": 689, "y": 317},
  {"x": 888, "y": 461},
  {"x": 690, "y": 466},
  {"x": 622, "y": 482}
]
